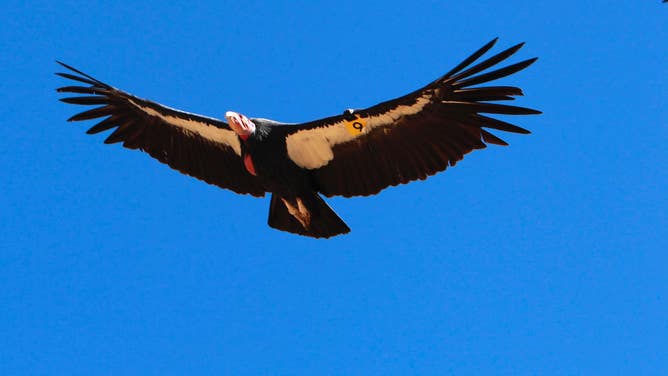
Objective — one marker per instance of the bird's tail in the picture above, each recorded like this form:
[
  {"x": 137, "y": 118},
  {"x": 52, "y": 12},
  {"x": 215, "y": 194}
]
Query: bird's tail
[{"x": 307, "y": 215}]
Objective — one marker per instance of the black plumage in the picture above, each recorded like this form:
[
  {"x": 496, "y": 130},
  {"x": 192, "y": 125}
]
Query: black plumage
[{"x": 359, "y": 152}]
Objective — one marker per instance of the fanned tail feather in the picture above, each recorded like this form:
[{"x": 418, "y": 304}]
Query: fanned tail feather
[{"x": 307, "y": 215}]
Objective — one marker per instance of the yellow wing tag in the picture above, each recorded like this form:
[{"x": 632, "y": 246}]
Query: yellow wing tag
[{"x": 356, "y": 127}]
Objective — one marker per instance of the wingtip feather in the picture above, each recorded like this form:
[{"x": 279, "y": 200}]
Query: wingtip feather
[
  {"x": 85, "y": 77},
  {"x": 473, "y": 57}
]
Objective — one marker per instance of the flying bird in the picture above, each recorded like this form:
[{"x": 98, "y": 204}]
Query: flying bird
[{"x": 357, "y": 153}]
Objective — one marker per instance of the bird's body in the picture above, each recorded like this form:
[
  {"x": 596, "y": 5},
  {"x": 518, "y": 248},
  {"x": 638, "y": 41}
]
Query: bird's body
[
  {"x": 295, "y": 204},
  {"x": 357, "y": 153},
  {"x": 268, "y": 153}
]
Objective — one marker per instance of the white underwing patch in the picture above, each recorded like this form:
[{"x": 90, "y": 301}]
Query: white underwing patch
[
  {"x": 202, "y": 129},
  {"x": 312, "y": 148}
]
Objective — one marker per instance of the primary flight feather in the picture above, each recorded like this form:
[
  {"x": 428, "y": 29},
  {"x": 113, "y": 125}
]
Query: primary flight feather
[{"x": 357, "y": 153}]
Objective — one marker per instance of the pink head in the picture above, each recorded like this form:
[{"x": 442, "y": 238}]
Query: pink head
[{"x": 240, "y": 124}]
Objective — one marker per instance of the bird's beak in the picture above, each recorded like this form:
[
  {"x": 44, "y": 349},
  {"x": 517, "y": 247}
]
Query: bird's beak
[{"x": 240, "y": 124}]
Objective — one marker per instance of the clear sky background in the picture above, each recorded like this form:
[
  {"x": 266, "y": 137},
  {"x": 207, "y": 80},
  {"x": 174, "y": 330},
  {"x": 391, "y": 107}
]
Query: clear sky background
[{"x": 549, "y": 256}]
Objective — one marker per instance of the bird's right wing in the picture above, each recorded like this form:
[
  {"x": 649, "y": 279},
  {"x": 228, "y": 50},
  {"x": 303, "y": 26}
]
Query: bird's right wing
[
  {"x": 199, "y": 146},
  {"x": 413, "y": 136}
]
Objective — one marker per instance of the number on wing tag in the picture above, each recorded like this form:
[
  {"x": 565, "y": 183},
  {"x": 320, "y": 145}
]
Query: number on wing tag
[{"x": 356, "y": 127}]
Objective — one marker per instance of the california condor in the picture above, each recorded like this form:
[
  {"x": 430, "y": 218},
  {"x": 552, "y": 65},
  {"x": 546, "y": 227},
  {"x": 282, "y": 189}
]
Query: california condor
[{"x": 357, "y": 153}]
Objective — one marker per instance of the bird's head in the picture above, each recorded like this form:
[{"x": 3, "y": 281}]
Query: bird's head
[{"x": 240, "y": 124}]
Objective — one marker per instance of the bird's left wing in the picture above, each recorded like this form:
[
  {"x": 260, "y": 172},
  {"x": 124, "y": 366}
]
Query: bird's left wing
[
  {"x": 410, "y": 137},
  {"x": 199, "y": 146}
]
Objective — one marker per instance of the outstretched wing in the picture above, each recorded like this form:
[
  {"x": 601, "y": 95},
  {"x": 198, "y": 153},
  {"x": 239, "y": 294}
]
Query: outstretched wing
[
  {"x": 410, "y": 137},
  {"x": 202, "y": 147}
]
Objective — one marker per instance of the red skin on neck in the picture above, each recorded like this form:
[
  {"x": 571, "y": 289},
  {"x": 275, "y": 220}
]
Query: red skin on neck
[{"x": 248, "y": 163}]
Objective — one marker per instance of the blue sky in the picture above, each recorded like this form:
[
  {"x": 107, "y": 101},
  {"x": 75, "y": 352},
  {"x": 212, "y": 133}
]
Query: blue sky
[{"x": 545, "y": 257}]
